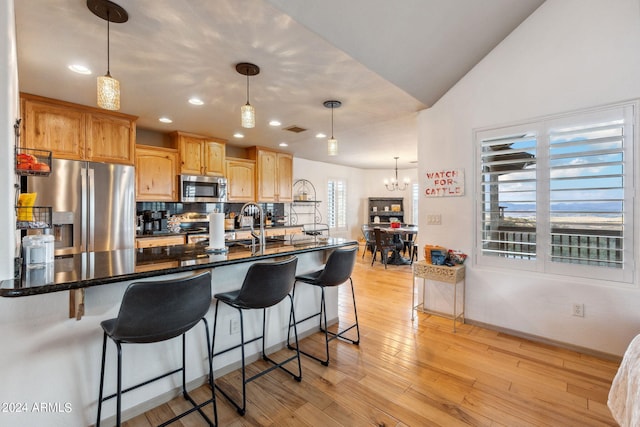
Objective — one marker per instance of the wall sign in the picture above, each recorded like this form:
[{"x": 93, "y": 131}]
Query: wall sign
[{"x": 445, "y": 183}]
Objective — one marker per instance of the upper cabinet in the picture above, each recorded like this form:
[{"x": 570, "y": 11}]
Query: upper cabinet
[
  {"x": 200, "y": 155},
  {"x": 240, "y": 180},
  {"x": 156, "y": 174},
  {"x": 274, "y": 175},
  {"x": 77, "y": 132}
]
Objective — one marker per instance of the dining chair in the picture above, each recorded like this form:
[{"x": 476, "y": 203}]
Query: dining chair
[
  {"x": 369, "y": 239},
  {"x": 384, "y": 243}
]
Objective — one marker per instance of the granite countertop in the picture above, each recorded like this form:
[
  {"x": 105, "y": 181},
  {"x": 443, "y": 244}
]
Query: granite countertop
[{"x": 100, "y": 268}]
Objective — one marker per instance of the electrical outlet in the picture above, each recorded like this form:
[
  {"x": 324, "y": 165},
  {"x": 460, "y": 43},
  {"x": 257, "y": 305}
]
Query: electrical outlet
[
  {"x": 434, "y": 219},
  {"x": 578, "y": 310},
  {"x": 234, "y": 326}
]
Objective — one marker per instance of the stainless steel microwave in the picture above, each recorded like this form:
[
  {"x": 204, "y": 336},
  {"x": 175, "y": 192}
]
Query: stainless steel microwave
[{"x": 206, "y": 189}]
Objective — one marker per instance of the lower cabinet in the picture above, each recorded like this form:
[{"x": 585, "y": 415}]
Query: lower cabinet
[
  {"x": 152, "y": 242},
  {"x": 156, "y": 174}
]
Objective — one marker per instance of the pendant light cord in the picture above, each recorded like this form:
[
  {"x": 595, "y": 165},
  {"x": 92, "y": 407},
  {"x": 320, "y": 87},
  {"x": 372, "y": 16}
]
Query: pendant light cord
[
  {"x": 331, "y": 121},
  {"x": 108, "y": 44},
  {"x": 247, "y": 88}
]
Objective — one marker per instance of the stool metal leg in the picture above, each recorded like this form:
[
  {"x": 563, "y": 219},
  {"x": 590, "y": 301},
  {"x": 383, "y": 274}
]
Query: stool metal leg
[
  {"x": 323, "y": 317},
  {"x": 104, "y": 354},
  {"x": 242, "y": 409},
  {"x": 120, "y": 392}
]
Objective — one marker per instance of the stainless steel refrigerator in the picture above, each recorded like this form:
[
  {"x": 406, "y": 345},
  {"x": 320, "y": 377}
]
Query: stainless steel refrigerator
[{"x": 93, "y": 205}]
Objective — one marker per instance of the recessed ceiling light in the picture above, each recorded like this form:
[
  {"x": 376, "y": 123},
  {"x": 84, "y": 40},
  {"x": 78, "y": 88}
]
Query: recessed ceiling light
[
  {"x": 274, "y": 123},
  {"x": 165, "y": 120},
  {"x": 320, "y": 135},
  {"x": 238, "y": 135},
  {"x": 196, "y": 101},
  {"x": 283, "y": 144},
  {"x": 80, "y": 69}
]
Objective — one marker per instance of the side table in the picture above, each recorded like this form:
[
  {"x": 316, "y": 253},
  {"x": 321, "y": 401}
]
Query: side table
[{"x": 440, "y": 273}]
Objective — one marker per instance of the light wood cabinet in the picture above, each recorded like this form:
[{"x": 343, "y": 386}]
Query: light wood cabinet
[
  {"x": 285, "y": 177},
  {"x": 156, "y": 174},
  {"x": 110, "y": 139},
  {"x": 200, "y": 155},
  {"x": 152, "y": 242},
  {"x": 240, "y": 180},
  {"x": 274, "y": 175},
  {"x": 77, "y": 132}
]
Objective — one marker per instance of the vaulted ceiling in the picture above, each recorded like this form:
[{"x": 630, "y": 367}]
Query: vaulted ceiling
[{"x": 384, "y": 61}]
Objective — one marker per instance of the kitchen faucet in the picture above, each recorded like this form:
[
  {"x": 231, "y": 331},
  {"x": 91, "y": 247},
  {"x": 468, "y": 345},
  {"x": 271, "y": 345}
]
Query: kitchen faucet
[{"x": 254, "y": 236}]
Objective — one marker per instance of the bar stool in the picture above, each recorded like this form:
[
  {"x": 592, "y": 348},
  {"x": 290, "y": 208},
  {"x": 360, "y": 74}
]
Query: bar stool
[
  {"x": 265, "y": 285},
  {"x": 158, "y": 311},
  {"x": 337, "y": 271}
]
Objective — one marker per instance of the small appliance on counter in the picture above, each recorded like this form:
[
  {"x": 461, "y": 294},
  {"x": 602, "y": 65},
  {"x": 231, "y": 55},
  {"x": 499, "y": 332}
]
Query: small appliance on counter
[
  {"x": 37, "y": 250},
  {"x": 154, "y": 222}
]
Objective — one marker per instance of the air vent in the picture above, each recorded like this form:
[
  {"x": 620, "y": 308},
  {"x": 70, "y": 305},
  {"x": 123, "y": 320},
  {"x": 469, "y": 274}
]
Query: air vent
[{"x": 295, "y": 129}]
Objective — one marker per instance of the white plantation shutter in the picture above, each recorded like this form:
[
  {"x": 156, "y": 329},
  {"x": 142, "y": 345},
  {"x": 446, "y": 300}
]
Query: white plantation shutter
[
  {"x": 337, "y": 204},
  {"x": 556, "y": 195},
  {"x": 508, "y": 194}
]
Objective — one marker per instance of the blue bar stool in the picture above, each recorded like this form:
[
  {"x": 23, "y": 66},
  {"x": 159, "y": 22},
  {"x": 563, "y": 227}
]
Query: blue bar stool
[
  {"x": 265, "y": 285},
  {"x": 158, "y": 311},
  {"x": 336, "y": 271}
]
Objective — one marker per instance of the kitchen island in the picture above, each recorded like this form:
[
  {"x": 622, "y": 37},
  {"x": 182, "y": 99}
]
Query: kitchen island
[
  {"x": 52, "y": 359},
  {"x": 89, "y": 269}
]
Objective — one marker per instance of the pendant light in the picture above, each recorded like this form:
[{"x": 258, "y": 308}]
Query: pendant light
[
  {"x": 108, "y": 87},
  {"x": 247, "y": 112},
  {"x": 394, "y": 184},
  {"x": 332, "y": 143}
]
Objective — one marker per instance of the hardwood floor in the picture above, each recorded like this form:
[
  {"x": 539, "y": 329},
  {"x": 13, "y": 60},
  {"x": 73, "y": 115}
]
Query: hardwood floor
[{"x": 418, "y": 373}]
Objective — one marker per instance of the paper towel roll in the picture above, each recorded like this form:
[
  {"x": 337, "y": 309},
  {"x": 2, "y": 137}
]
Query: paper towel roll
[{"x": 216, "y": 231}]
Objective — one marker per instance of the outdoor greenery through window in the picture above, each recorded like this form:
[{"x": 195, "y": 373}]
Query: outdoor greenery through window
[
  {"x": 556, "y": 195},
  {"x": 337, "y": 204}
]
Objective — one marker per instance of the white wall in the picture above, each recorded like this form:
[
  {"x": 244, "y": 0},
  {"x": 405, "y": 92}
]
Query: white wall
[
  {"x": 319, "y": 173},
  {"x": 9, "y": 112},
  {"x": 361, "y": 184},
  {"x": 570, "y": 54}
]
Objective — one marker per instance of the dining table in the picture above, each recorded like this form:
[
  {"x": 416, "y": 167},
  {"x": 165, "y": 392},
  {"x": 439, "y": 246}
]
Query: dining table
[{"x": 398, "y": 234}]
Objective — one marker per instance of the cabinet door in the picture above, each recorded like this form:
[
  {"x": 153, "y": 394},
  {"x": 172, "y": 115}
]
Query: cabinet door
[
  {"x": 214, "y": 152},
  {"x": 110, "y": 139},
  {"x": 191, "y": 161},
  {"x": 154, "y": 242},
  {"x": 55, "y": 128},
  {"x": 266, "y": 182},
  {"x": 285, "y": 177},
  {"x": 241, "y": 181},
  {"x": 156, "y": 174}
]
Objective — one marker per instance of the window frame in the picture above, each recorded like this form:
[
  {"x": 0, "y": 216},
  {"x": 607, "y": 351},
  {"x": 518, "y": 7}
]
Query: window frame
[{"x": 543, "y": 127}]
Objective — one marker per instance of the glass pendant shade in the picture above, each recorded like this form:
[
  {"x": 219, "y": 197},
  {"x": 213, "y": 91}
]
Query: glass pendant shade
[
  {"x": 248, "y": 116},
  {"x": 332, "y": 146},
  {"x": 108, "y": 93},
  {"x": 108, "y": 87}
]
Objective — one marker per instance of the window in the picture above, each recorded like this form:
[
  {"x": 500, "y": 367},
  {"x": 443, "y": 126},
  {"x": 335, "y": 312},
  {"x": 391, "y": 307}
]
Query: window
[
  {"x": 556, "y": 195},
  {"x": 337, "y": 204}
]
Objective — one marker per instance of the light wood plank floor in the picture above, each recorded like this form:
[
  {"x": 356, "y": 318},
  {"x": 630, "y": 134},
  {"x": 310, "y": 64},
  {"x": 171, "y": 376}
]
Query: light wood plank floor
[{"x": 418, "y": 373}]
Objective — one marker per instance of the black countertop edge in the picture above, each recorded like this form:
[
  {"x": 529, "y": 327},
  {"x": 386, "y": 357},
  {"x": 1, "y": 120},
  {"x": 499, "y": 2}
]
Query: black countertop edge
[
  {"x": 18, "y": 289},
  {"x": 188, "y": 232}
]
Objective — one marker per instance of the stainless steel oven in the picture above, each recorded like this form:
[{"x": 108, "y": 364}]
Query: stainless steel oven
[{"x": 206, "y": 189}]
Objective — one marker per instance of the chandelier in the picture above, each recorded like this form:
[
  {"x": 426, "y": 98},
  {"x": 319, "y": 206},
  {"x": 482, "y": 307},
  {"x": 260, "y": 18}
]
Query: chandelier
[{"x": 393, "y": 184}]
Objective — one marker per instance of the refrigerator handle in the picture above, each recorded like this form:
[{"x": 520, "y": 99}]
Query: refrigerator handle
[
  {"x": 83, "y": 209},
  {"x": 91, "y": 199}
]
